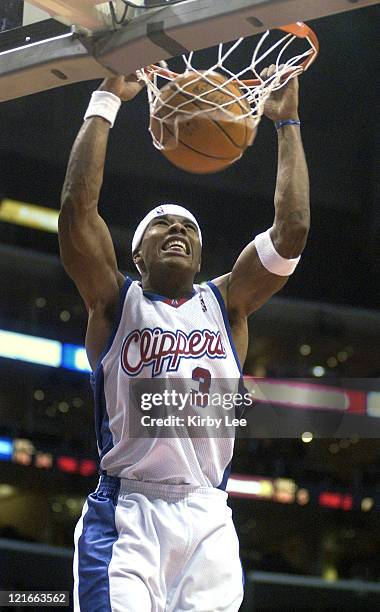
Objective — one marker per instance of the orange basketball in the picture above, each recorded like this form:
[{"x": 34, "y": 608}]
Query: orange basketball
[{"x": 209, "y": 142}]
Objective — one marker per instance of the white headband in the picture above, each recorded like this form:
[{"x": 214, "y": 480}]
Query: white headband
[{"x": 163, "y": 209}]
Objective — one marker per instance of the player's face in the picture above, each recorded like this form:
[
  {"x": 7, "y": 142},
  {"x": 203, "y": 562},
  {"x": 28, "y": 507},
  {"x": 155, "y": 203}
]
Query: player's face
[{"x": 171, "y": 241}]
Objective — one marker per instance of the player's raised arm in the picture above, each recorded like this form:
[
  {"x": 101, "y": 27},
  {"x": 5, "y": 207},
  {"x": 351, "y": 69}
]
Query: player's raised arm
[
  {"x": 265, "y": 264},
  {"x": 86, "y": 246}
]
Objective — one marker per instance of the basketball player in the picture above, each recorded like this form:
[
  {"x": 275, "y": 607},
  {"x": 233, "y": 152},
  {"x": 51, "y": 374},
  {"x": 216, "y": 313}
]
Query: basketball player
[{"x": 157, "y": 534}]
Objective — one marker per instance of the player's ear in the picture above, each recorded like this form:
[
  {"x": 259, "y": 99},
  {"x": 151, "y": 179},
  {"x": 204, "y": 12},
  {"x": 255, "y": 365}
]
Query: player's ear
[{"x": 138, "y": 260}]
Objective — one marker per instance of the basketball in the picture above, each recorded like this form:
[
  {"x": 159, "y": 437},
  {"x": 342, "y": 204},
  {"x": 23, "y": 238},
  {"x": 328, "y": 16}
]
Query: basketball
[{"x": 208, "y": 142}]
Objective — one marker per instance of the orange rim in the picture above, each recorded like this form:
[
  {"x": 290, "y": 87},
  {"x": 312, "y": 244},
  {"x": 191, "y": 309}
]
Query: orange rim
[
  {"x": 298, "y": 29},
  {"x": 302, "y": 30}
]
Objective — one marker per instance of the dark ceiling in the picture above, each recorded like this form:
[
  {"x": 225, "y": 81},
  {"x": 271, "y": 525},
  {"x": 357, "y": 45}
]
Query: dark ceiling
[{"x": 338, "y": 111}]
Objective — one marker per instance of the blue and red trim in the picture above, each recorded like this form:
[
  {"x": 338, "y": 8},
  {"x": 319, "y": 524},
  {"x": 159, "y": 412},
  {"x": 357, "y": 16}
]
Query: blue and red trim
[
  {"x": 103, "y": 432},
  {"x": 175, "y": 303},
  {"x": 227, "y": 325}
]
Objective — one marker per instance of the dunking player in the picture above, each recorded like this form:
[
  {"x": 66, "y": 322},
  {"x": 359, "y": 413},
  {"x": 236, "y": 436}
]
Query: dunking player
[{"x": 157, "y": 533}]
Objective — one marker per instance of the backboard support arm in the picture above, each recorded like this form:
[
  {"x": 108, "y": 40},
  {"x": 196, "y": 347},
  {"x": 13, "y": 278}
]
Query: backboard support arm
[{"x": 149, "y": 37}]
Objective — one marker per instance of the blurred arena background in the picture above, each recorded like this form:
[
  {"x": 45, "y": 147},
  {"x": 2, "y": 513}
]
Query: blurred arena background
[{"x": 306, "y": 508}]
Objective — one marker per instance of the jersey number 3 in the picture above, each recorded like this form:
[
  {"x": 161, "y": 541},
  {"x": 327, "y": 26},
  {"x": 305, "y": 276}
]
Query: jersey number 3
[{"x": 203, "y": 377}]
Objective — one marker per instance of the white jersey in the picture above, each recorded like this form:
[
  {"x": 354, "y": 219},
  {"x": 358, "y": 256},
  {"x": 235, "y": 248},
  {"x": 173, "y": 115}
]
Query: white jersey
[{"x": 159, "y": 338}]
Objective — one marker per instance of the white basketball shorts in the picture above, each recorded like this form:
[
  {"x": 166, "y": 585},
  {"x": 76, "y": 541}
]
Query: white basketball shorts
[{"x": 142, "y": 547}]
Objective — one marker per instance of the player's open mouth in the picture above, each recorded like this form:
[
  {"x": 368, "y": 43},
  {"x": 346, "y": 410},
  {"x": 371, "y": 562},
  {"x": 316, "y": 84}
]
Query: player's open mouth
[{"x": 176, "y": 246}]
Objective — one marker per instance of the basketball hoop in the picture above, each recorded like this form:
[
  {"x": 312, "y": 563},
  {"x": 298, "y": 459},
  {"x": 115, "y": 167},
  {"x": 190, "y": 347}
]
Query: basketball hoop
[{"x": 251, "y": 93}]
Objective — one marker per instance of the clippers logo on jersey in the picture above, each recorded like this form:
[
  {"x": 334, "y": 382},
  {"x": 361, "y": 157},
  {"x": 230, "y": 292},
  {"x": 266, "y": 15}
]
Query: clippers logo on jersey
[{"x": 154, "y": 347}]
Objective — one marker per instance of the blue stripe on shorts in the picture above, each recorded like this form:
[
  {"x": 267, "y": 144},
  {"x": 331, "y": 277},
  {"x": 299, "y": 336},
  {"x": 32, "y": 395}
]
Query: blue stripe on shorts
[{"x": 95, "y": 546}]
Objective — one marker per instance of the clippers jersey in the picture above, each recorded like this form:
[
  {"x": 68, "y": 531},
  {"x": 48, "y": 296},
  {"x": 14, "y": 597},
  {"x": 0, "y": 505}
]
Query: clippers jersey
[{"x": 160, "y": 338}]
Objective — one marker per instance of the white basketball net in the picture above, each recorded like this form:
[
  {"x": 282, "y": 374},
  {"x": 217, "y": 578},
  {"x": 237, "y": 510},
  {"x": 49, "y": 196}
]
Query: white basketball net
[{"x": 254, "y": 92}]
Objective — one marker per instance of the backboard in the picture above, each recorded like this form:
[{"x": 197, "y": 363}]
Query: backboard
[{"x": 50, "y": 43}]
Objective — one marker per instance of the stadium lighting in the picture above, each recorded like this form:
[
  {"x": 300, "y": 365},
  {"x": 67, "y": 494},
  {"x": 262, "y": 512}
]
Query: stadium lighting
[
  {"x": 67, "y": 464},
  {"x": 319, "y": 371},
  {"x": 43, "y": 351},
  {"x": 6, "y": 490},
  {"x": 250, "y": 487},
  {"x": 332, "y": 362},
  {"x": 30, "y": 348},
  {"x": 29, "y": 215},
  {"x": 43, "y": 461},
  {"x": 367, "y": 504},
  {"x": 307, "y": 437},
  {"x": 6, "y": 449},
  {"x": 303, "y": 497},
  {"x": 39, "y": 395},
  {"x": 334, "y": 500},
  {"x": 305, "y": 350},
  {"x": 74, "y": 358},
  {"x": 373, "y": 406}
]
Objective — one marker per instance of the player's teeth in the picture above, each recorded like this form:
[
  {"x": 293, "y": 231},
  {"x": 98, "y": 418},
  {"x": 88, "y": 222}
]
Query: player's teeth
[{"x": 174, "y": 245}]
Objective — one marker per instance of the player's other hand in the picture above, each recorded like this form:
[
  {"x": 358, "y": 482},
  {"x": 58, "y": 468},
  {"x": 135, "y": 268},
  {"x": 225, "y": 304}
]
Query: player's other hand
[
  {"x": 283, "y": 103},
  {"x": 125, "y": 87}
]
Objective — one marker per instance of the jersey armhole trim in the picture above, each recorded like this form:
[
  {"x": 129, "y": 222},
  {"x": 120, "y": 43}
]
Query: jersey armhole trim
[
  {"x": 227, "y": 325},
  {"x": 123, "y": 294}
]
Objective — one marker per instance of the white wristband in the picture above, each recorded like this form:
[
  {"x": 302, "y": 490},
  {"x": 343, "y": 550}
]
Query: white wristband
[
  {"x": 103, "y": 104},
  {"x": 269, "y": 257}
]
